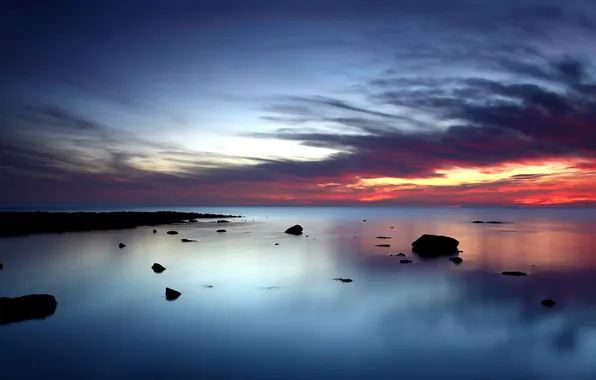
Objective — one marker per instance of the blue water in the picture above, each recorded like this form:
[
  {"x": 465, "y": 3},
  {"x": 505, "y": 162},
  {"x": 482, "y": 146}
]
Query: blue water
[{"x": 274, "y": 312}]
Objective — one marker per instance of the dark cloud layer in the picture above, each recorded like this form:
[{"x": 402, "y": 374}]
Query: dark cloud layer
[{"x": 464, "y": 84}]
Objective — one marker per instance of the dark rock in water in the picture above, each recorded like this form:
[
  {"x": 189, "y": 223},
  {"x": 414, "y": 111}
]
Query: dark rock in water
[
  {"x": 382, "y": 245},
  {"x": 405, "y": 261},
  {"x": 154, "y": 231},
  {"x": 391, "y": 227},
  {"x": 548, "y": 303},
  {"x": 307, "y": 235},
  {"x": 364, "y": 220},
  {"x": 295, "y": 230},
  {"x": 222, "y": 231},
  {"x": 478, "y": 221},
  {"x": 157, "y": 268},
  {"x": 343, "y": 279},
  {"x": 399, "y": 254},
  {"x": 1, "y": 266},
  {"x": 495, "y": 222},
  {"x": 435, "y": 245},
  {"x": 188, "y": 241},
  {"x": 172, "y": 294},
  {"x": 193, "y": 221},
  {"x": 457, "y": 260},
  {"x": 276, "y": 243},
  {"x": 32, "y": 306},
  {"x": 121, "y": 245},
  {"x": 223, "y": 221},
  {"x": 514, "y": 273},
  {"x": 383, "y": 237},
  {"x": 172, "y": 232},
  {"x": 208, "y": 286}
]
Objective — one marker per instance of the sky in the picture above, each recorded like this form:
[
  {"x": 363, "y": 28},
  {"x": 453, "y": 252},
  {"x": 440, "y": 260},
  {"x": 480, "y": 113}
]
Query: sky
[{"x": 326, "y": 102}]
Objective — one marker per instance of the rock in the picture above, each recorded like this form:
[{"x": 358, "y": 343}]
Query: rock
[
  {"x": 343, "y": 279},
  {"x": 157, "y": 268},
  {"x": 32, "y": 306},
  {"x": 383, "y": 237},
  {"x": 364, "y": 220},
  {"x": 188, "y": 241},
  {"x": 154, "y": 231},
  {"x": 222, "y": 231},
  {"x": 457, "y": 260},
  {"x": 405, "y": 261},
  {"x": 514, "y": 273},
  {"x": 399, "y": 254},
  {"x": 295, "y": 230},
  {"x": 223, "y": 221},
  {"x": 208, "y": 286},
  {"x": 382, "y": 245},
  {"x": 172, "y": 232},
  {"x": 548, "y": 303},
  {"x": 307, "y": 235},
  {"x": 276, "y": 243},
  {"x": 495, "y": 222},
  {"x": 193, "y": 221},
  {"x": 172, "y": 294},
  {"x": 121, "y": 245},
  {"x": 391, "y": 227},
  {"x": 478, "y": 221},
  {"x": 435, "y": 245},
  {"x": 1, "y": 266}
]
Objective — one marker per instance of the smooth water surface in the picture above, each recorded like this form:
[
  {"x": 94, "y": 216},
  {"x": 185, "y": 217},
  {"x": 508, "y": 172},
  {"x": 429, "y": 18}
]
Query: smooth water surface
[{"x": 274, "y": 312}]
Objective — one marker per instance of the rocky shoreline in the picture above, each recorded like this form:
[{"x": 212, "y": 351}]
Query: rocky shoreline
[{"x": 25, "y": 223}]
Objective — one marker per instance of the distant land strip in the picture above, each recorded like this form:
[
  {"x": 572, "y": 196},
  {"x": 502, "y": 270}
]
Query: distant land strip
[{"x": 15, "y": 223}]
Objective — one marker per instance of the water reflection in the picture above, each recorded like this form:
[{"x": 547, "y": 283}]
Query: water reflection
[{"x": 275, "y": 312}]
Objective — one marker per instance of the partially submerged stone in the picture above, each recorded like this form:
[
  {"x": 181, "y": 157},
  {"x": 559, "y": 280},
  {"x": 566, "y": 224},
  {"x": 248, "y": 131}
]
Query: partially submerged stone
[
  {"x": 343, "y": 279},
  {"x": 514, "y": 273},
  {"x": 121, "y": 245},
  {"x": 435, "y": 245},
  {"x": 223, "y": 221},
  {"x": 382, "y": 245},
  {"x": 295, "y": 230},
  {"x": 548, "y": 303},
  {"x": 172, "y": 294},
  {"x": 221, "y": 231},
  {"x": 405, "y": 261},
  {"x": 383, "y": 237},
  {"x": 154, "y": 231},
  {"x": 1, "y": 266},
  {"x": 158, "y": 268},
  {"x": 172, "y": 232},
  {"x": 32, "y": 306},
  {"x": 188, "y": 241},
  {"x": 457, "y": 260}
]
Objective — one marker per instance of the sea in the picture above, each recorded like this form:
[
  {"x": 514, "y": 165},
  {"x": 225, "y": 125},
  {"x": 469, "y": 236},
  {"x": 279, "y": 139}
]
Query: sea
[{"x": 254, "y": 310}]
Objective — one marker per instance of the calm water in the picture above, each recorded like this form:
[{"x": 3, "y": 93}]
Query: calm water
[{"x": 274, "y": 312}]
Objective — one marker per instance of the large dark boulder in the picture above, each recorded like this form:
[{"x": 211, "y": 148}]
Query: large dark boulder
[
  {"x": 32, "y": 306},
  {"x": 220, "y": 231},
  {"x": 295, "y": 230},
  {"x": 1, "y": 266},
  {"x": 158, "y": 268},
  {"x": 435, "y": 245},
  {"x": 172, "y": 294},
  {"x": 172, "y": 232}
]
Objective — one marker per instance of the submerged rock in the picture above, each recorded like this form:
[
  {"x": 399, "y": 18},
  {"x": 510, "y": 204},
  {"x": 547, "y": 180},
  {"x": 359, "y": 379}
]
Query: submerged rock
[
  {"x": 405, "y": 261},
  {"x": 276, "y": 243},
  {"x": 1, "y": 266},
  {"x": 172, "y": 294},
  {"x": 221, "y": 231},
  {"x": 548, "y": 303},
  {"x": 383, "y": 237},
  {"x": 157, "y": 268},
  {"x": 478, "y": 221},
  {"x": 193, "y": 221},
  {"x": 121, "y": 245},
  {"x": 495, "y": 222},
  {"x": 435, "y": 245},
  {"x": 172, "y": 232},
  {"x": 382, "y": 245},
  {"x": 514, "y": 273},
  {"x": 32, "y": 306},
  {"x": 343, "y": 279},
  {"x": 188, "y": 241},
  {"x": 154, "y": 231},
  {"x": 295, "y": 230},
  {"x": 457, "y": 260},
  {"x": 223, "y": 221},
  {"x": 399, "y": 254}
]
